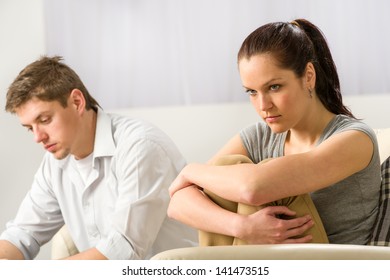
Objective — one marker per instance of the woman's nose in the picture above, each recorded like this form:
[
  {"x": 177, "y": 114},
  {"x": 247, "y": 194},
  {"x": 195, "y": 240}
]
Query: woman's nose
[{"x": 265, "y": 103}]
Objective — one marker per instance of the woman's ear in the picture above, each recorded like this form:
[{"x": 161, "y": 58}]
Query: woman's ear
[
  {"x": 310, "y": 76},
  {"x": 77, "y": 100}
]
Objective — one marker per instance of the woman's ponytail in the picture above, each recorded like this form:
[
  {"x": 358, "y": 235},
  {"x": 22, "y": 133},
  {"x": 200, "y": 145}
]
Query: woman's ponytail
[{"x": 327, "y": 80}]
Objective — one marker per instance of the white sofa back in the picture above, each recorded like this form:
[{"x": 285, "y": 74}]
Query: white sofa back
[
  {"x": 198, "y": 130},
  {"x": 201, "y": 130}
]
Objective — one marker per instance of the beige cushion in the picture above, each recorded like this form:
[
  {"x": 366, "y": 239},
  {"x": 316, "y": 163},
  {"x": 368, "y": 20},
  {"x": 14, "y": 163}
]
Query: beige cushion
[{"x": 383, "y": 136}]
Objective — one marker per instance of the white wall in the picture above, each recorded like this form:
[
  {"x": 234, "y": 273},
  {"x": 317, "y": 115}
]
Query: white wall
[
  {"x": 183, "y": 52},
  {"x": 22, "y": 41},
  {"x": 22, "y": 38}
]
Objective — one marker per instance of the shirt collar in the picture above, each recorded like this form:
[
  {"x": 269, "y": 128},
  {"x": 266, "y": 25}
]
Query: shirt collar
[{"x": 104, "y": 142}]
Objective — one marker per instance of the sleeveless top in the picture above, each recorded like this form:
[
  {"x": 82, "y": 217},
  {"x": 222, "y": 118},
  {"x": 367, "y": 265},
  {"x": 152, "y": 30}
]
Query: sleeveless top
[{"x": 348, "y": 208}]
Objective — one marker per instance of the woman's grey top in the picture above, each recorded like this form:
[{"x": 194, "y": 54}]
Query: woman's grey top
[{"x": 348, "y": 208}]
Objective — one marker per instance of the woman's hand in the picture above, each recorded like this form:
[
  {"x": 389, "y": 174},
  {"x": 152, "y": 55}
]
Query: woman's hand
[
  {"x": 264, "y": 227},
  {"x": 181, "y": 180}
]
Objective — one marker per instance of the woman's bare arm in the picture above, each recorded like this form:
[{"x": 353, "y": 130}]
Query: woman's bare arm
[
  {"x": 193, "y": 208},
  {"x": 335, "y": 159}
]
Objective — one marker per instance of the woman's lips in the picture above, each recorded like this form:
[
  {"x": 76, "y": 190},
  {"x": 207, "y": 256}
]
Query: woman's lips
[{"x": 272, "y": 119}]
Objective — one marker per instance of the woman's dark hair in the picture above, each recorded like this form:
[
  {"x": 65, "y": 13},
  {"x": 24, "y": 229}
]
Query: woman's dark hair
[
  {"x": 47, "y": 79},
  {"x": 293, "y": 45}
]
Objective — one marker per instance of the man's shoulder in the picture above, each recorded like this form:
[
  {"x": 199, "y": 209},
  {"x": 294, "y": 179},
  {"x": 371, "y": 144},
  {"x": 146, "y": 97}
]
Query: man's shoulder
[
  {"x": 132, "y": 127},
  {"x": 132, "y": 132},
  {"x": 128, "y": 131}
]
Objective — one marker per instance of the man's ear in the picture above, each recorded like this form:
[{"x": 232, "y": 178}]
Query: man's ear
[
  {"x": 76, "y": 99},
  {"x": 310, "y": 76}
]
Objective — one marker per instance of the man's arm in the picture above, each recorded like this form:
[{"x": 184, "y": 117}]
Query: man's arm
[{"x": 10, "y": 251}]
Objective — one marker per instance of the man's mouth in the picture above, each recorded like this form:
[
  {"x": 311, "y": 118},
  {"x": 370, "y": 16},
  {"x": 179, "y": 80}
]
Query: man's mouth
[{"x": 50, "y": 147}]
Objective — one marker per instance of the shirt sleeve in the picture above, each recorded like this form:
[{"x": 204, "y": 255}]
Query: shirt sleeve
[
  {"x": 38, "y": 217},
  {"x": 144, "y": 172}
]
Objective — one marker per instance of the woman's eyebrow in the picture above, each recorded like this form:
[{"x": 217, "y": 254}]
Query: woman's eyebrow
[{"x": 271, "y": 81}]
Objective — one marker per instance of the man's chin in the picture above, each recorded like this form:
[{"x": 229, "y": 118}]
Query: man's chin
[{"x": 58, "y": 155}]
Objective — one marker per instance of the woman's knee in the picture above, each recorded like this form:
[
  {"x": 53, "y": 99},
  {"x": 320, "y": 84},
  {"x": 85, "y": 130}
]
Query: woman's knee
[{"x": 231, "y": 159}]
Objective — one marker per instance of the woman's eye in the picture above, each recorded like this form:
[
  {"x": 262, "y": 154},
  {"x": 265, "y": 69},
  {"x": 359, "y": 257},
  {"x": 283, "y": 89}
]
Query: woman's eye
[
  {"x": 274, "y": 87},
  {"x": 251, "y": 92}
]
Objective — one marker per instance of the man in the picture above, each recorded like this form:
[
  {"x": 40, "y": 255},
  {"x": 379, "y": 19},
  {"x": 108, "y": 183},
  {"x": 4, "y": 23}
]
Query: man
[{"x": 104, "y": 176}]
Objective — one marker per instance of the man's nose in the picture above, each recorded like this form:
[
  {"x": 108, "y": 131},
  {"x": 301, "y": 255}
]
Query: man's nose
[{"x": 39, "y": 135}]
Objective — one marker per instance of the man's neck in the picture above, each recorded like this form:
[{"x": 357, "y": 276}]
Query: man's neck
[{"x": 88, "y": 131}]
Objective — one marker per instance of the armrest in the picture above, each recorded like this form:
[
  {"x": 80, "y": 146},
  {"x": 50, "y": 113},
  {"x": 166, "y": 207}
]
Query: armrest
[{"x": 278, "y": 252}]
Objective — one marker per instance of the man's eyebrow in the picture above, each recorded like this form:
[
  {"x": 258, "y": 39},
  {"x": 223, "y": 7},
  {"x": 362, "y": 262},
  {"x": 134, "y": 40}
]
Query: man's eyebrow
[{"x": 36, "y": 118}]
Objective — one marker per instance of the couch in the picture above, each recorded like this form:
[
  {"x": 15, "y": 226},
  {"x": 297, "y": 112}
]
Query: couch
[
  {"x": 199, "y": 131},
  {"x": 379, "y": 249}
]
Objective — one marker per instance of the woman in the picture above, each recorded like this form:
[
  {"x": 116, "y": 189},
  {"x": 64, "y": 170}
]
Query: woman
[{"x": 316, "y": 145}]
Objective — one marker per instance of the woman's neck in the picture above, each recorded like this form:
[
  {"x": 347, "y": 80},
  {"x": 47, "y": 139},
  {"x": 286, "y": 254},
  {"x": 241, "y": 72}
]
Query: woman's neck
[{"x": 305, "y": 137}]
